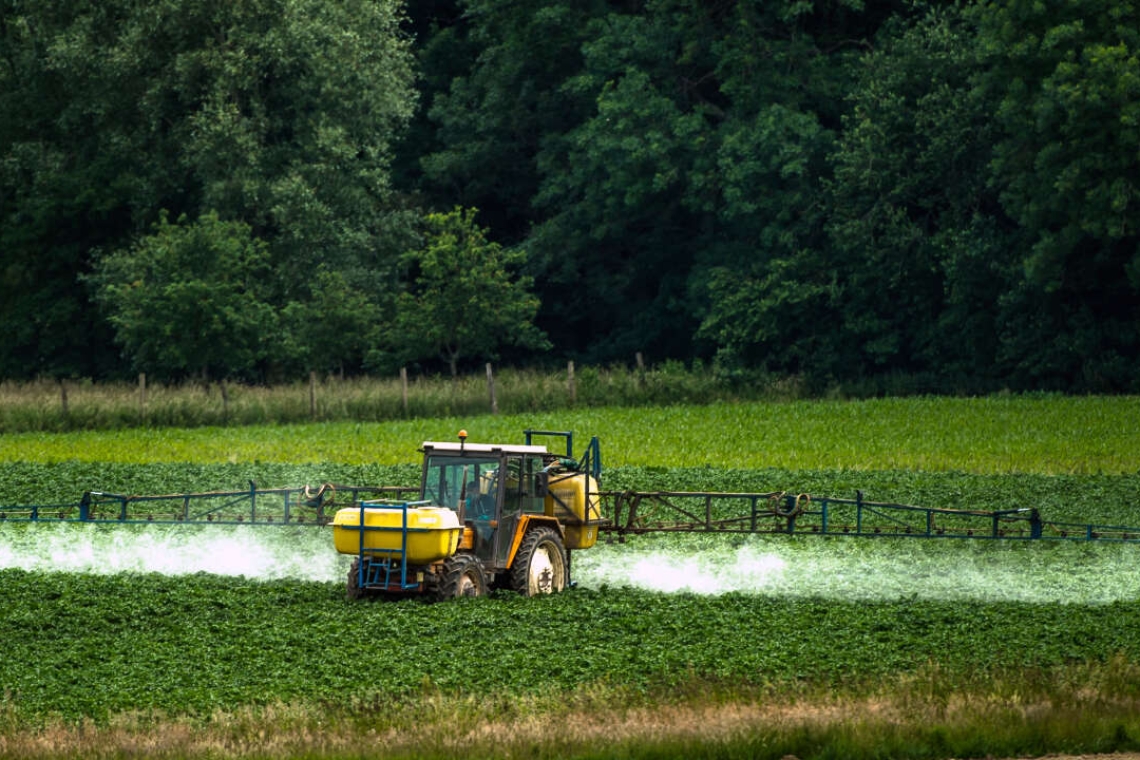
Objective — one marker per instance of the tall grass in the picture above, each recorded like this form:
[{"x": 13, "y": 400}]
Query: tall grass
[{"x": 83, "y": 405}]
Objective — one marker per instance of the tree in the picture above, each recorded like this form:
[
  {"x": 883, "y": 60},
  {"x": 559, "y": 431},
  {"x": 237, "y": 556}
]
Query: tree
[
  {"x": 701, "y": 161},
  {"x": 461, "y": 298},
  {"x": 769, "y": 287},
  {"x": 190, "y": 299},
  {"x": 1066, "y": 77},
  {"x": 277, "y": 113},
  {"x": 493, "y": 78},
  {"x": 921, "y": 245},
  {"x": 337, "y": 325}
]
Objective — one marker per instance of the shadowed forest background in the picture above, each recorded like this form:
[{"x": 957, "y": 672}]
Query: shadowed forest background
[{"x": 835, "y": 190}]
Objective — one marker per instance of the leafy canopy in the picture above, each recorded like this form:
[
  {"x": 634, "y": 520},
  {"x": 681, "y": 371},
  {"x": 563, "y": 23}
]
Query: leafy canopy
[
  {"x": 190, "y": 297},
  {"x": 463, "y": 299}
]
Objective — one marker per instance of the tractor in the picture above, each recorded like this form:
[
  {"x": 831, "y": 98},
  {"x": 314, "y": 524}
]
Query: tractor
[{"x": 488, "y": 516}]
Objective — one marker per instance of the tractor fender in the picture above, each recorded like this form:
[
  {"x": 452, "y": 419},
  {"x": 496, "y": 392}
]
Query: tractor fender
[{"x": 525, "y": 523}]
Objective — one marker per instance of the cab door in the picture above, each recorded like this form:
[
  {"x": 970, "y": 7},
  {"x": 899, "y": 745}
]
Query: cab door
[{"x": 520, "y": 496}]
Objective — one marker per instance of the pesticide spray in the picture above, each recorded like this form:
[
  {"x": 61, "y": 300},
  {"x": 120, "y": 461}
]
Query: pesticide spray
[
  {"x": 867, "y": 569},
  {"x": 257, "y": 553},
  {"x": 776, "y": 566}
]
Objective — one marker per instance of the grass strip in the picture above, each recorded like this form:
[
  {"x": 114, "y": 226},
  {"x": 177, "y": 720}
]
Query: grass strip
[
  {"x": 1075, "y": 708},
  {"x": 994, "y": 435}
]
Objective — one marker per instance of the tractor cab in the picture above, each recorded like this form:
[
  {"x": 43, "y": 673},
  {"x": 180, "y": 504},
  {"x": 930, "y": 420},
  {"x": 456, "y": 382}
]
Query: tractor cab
[{"x": 491, "y": 488}]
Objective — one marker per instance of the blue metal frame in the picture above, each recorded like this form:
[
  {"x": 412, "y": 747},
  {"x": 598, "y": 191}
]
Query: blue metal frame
[
  {"x": 370, "y": 572},
  {"x": 591, "y": 461},
  {"x": 634, "y": 512},
  {"x": 253, "y": 506}
]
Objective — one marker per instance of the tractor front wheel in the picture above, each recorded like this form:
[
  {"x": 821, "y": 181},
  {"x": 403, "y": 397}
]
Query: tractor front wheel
[
  {"x": 540, "y": 565},
  {"x": 462, "y": 575}
]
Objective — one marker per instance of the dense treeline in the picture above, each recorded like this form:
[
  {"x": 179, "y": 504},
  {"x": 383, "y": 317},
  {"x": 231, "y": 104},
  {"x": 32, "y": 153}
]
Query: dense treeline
[{"x": 840, "y": 190}]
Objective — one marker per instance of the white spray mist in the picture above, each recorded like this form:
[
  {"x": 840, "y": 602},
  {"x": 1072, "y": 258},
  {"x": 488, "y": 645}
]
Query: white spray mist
[
  {"x": 851, "y": 569},
  {"x": 261, "y": 553}
]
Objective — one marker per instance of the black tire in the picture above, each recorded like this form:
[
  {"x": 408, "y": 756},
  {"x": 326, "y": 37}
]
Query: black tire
[
  {"x": 462, "y": 575},
  {"x": 540, "y": 566},
  {"x": 353, "y": 589}
]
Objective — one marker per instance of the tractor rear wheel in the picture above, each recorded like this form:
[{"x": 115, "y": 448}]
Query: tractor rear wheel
[
  {"x": 462, "y": 575},
  {"x": 354, "y": 591},
  {"x": 540, "y": 565}
]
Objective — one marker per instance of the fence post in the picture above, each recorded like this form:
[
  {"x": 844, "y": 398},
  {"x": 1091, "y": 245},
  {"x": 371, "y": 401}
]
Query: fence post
[
  {"x": 404, "y": 388},
  {"x": 63, "y": 397},
  {"x": 142, "y": 397},
  {"x": 313, "y": 394},
  {"x": 491, "y": 389},
  {"x": 571, "y": 385}
]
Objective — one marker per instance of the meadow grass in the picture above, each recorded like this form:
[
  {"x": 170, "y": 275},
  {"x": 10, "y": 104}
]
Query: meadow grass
[
  {"x": 84, "y": 405},
  {"x": 990, "y": 435}
]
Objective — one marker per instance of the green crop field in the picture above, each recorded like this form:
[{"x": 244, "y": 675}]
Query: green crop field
[
  {"x": 1047, "y": 435},
  {"x": 211, "y": 642}
]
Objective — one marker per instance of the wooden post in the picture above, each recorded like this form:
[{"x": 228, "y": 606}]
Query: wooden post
[
  {"x": 572, "y": 387},
  {"x": 142, "y": 397},
  {"x": 225, "y": 400},
  {"x": 313, "y": 394},
  {"x": 640, "y": 370},
  {"x": 491, "y": 389},
  {"x": 404, "y": 388}
]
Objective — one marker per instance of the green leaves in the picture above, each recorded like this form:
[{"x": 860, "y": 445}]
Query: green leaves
[
  {"x": 1065, "y": 80},
  {"x": 190, "y": 297},
  {"x": 80, "y": 645},
  {"x": 275, "y": 115},
  {"x": 464, "y": 298},
  {"x": 197, "y": 644}
]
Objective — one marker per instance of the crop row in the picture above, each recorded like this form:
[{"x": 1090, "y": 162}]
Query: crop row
[{"x": 88, "y": 645}]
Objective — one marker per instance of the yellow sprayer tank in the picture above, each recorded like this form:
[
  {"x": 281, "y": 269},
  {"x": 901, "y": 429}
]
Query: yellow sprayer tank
[
  {"x": 433, "y": 532},
  {"x": 570, "y": 492}
]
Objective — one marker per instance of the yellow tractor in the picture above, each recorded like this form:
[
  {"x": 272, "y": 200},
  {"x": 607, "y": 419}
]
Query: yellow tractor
[{"x": 488, "y": 516}]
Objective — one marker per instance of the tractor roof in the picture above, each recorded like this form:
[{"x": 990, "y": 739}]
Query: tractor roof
[{"x": 452, "y": 447}]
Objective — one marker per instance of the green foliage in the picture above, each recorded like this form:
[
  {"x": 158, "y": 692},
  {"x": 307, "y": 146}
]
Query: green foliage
[
  {"x": 273, "y": 114},
  {"x": 336, "y": 324},
  {"x": 64, "y": 482},
  {"x": 831, "y": 190},
  {"x": 190, "y": 297},
  {"x": 1066, "y": 83},
  {"x": 92, "y": 648},
  {"x": 919, "y": 257},
  {"x": 463, "y": 297},
  {"x": 202, "y": 643},
  {"x": 493, "y": 95},
  {"x": 894, "y": 195}
]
